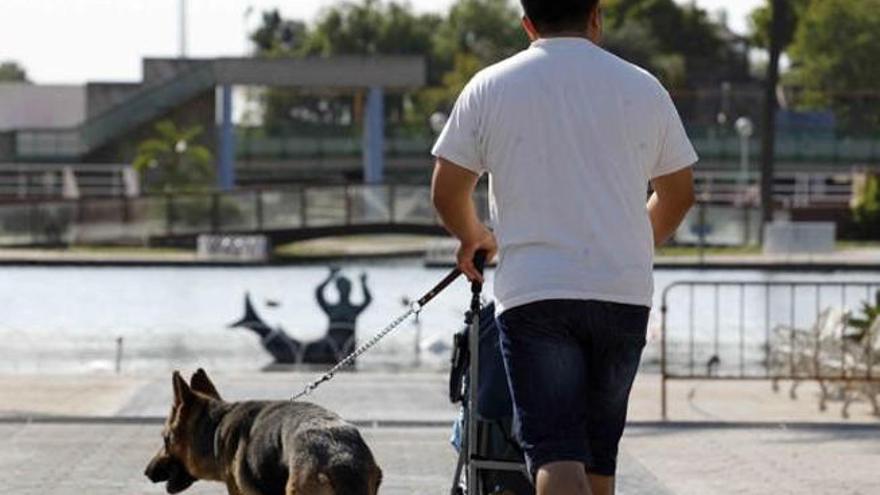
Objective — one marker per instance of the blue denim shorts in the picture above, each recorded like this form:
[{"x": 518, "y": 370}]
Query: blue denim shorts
[{"x": 570, "y": 366}]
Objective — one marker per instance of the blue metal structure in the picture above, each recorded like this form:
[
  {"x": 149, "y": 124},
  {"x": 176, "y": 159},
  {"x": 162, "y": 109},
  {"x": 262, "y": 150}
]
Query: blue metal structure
[
  {"x": 374, "y": 136},
  {"x": 226, "y": 142}
]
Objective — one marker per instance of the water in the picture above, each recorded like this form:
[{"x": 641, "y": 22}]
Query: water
[{"x": 69, "y": 319}]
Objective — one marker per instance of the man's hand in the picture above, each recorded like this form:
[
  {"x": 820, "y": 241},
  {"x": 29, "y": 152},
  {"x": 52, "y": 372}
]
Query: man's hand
[
  {"x": 673, "y": 197},
  {"x": 452, "y": 191},
  {"x": 467, "y": 250}
]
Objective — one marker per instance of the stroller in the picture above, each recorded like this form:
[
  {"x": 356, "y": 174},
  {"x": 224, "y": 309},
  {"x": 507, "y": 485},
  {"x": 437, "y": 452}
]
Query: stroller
[{"x": 490, "y": 461}]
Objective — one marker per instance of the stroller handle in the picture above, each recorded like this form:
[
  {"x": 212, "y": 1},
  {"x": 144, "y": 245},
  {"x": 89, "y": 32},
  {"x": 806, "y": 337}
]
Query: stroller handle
[{"x": 480, "y": 264}]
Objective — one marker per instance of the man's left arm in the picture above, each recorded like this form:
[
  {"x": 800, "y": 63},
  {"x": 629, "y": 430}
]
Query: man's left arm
[
  {"x": 673, "y": 197},
  {"x": 452, "y": 189}
]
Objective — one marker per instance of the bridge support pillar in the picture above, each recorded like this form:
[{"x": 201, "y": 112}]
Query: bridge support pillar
[
  {"x": 226, "y": 142},
  {"x": 374, "y": 136}
]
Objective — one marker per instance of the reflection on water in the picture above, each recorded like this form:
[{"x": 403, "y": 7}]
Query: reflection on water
[{"x": 68, "y": 319}]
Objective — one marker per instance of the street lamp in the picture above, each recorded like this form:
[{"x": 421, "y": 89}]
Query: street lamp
[
  {"x": 182, "y": 28},
  {"x": 745, "y": 128}
]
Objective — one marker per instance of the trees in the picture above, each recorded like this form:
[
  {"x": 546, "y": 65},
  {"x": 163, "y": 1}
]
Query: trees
[
  {"x": 865, "y": 206},
  {"x": 369, "y": 27},
  {"x": 12, "y": 72},
  {"x": 832, "y": 46},
  {"x": 760, "y": 18},
  {"x": 277, "y": 36},
  {"x": 173, "y": 161},
  {"x": 678, "y": 42},
  {"x": 834, "y": 60},
  {"x": 487, "y": 29}
]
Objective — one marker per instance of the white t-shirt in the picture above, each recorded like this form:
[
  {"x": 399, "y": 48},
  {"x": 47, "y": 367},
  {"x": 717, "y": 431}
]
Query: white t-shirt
[{"x": 570, "y": 136}]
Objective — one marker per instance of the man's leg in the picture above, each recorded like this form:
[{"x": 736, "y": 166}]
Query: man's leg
[
  {"x": 545, "y": 371},
  {"x": 562, "y": 478},
  {"x": 615, "y": 334},
  {"x": 601, "y": 485}
]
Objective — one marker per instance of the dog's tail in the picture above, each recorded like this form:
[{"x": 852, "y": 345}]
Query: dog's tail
[{"x": 250, "y": 319}]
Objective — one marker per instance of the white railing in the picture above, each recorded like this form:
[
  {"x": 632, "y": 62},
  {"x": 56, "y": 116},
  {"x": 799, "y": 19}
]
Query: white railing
[
  {"x": 791, "y": 189},
  {"x": 67, "y": 181}
]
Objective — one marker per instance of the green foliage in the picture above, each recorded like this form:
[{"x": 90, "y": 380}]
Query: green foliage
[
  {"x": 277, "y": 36},
  {"x": 866, "y": 205},
  {"x": 677, "y": 42},
  {"x": 834, "y": 60},
  {"x": 12, "y": 72},
  {"x": 862, "y": 323},
  {"x": 369, "y": 28},
  {"x": 174, "y": 161},
  {"x": 487, "y": 29},
  {"x": 634, "y": 41},
  {"x": 761, "y": 17}
]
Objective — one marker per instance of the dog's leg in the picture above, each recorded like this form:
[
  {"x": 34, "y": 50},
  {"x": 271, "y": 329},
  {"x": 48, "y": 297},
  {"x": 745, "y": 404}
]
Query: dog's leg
[
  {"x": 872, "y": 396},
  {"x": 823, "y": 396},
  {"x": 232, "y": 488}
]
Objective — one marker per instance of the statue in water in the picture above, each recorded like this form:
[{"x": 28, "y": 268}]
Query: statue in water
[
  {"x": 336, "y": 344},
  {"x": 343, "y": 315}
]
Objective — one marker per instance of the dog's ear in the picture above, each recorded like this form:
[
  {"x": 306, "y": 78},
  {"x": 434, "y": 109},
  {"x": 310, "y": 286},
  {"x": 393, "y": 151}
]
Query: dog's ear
[
  {"x": 182, "y": 392},
  {"x": 201, "y": 383}
]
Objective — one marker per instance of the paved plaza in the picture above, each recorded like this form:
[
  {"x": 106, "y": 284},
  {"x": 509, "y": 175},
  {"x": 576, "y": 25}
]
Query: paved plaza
[
  {"x": 93, "y": 434},
  {"x": 109, "y": 458}
]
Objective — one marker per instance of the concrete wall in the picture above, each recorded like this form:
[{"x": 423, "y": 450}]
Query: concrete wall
[
  {"x": 29, "y": 106},
  {"x": 158, "y": 70},
  {"x": 389, "y": 72},
  {"x": 198, "y": 111},
  {"x": 103, "y": 96},
  {"x": 7, "y": 147}
]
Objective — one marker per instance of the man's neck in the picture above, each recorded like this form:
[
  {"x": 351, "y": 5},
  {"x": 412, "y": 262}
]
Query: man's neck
[{"x": 565, "y": 34}]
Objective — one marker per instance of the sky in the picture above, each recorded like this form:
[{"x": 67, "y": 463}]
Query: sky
[{"x": 74, "y": 41}]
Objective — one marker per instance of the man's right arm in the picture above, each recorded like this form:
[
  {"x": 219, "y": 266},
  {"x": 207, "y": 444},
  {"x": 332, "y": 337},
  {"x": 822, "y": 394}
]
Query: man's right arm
[{"x": 673, "y": 197}]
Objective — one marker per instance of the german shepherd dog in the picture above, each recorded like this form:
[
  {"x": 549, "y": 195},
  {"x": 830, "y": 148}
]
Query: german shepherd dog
[{"x": 259, "y": 448}]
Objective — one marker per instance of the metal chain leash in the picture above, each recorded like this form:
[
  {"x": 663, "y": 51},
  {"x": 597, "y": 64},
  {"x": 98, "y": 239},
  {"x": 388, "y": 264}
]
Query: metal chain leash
[
  {"x": 357, "y": 352},
  {"x": 414, "y": 309}
]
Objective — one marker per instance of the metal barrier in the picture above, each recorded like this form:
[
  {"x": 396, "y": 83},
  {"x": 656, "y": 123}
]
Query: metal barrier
[
  {"x": 790, "y": 189},
  {"x": 52, "y": 181},
  {"x": 118, "y": 218},
  {"x": 842, "y": 150},
  {"x": 137, "y": 220},
  {"x": 798, "y": 330}
]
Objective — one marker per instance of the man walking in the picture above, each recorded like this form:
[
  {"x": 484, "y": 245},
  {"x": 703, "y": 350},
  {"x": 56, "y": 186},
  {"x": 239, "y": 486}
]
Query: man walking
[{"x": 570, "y": 136}]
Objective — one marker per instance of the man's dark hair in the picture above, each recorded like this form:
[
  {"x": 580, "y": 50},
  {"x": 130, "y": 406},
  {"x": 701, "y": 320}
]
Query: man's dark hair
[{"x": 555, "y": 16}]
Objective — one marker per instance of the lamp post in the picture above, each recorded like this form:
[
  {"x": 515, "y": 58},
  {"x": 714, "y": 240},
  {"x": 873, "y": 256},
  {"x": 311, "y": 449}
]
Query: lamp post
[
  {"x": 182, "y": 28},
  {"x": 745, "y": 128},
  {"x": 437, "y": 121}
]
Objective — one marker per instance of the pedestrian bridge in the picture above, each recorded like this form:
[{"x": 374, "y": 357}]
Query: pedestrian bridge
[{"x": 283, "y": 215}]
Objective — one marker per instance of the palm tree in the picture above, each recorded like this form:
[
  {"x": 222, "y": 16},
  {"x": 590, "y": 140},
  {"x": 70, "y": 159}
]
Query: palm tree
[{"x": 173, "y": 160}]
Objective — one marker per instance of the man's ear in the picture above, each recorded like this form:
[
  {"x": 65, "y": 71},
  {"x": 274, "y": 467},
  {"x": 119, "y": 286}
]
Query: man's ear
[
  {"x": 201, "y": 383},
  {"x": 530, "y": 29},
  {"x": 182, "y": 392},
  {"x": 596, "y": 28}
]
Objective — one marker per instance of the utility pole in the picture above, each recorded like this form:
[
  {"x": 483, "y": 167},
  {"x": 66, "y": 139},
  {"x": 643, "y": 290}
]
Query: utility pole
[
  {"x": 768, "y": 121},
  {"x": 182, "y": 28}
]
